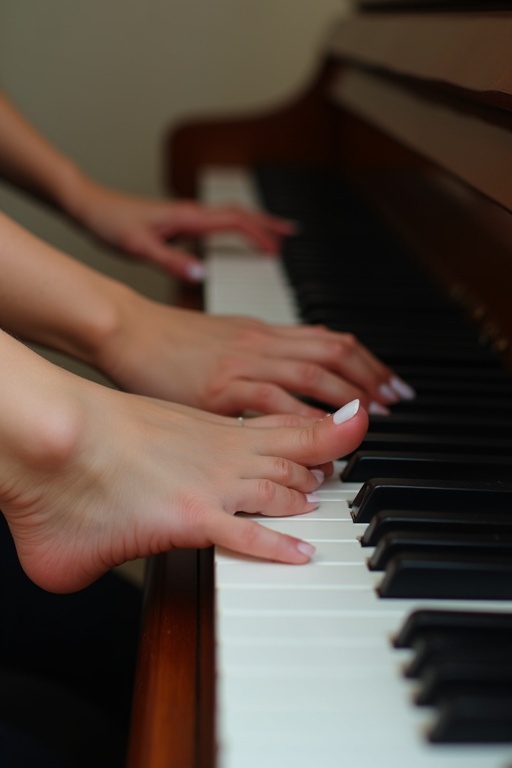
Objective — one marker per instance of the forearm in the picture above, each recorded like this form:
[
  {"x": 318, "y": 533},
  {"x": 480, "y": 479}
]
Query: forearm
[
  {"x": 49, "y": 298},
  {"x": 32, "y": 163}
]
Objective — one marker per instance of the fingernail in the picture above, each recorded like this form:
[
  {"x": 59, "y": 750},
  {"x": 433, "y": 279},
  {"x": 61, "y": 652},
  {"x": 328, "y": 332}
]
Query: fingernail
[
  {"x": 347, "y": 412},
  {"x": 196, "y": 272},
  {"x": 318, "y": 474},
  {"x": 305, "y": 548},
  {"x": 402, "y": 389},
  {"x": 312, "y": 498},
  {"x": 388, "y": 393},
  {"x": 378, "y": 410}
]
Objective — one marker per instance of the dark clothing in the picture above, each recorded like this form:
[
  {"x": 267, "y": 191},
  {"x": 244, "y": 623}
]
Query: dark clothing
[{"x": 66, "y": 669}]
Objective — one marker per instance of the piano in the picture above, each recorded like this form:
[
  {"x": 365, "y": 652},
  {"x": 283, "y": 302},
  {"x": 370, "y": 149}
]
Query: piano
[{"x": 393, "y": 647}]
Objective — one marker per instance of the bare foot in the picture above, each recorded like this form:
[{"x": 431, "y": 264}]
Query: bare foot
[{"x": 109, "y": 477}]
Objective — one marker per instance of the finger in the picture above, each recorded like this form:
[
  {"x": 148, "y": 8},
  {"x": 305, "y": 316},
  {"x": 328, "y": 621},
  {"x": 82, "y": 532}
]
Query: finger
[
  {"x": 262, "y": 397},
  {"x": 326, "y": 469},
  {"x": 248, "y": 538},
  {"x": 324, "y": 348},
  {"x": 342, "y": 354},
  {"x": 279, "y": 472},
  {"x": 276, "y": 224},
  {"x": 264, "y": 497},
  {"x": 327, "y": 440},
  {"x": 194, "y": 218},
  {"x": 304, "y": 378},
  {"x": 262, "y": 230},
  {"x": 180, "y": 263}
]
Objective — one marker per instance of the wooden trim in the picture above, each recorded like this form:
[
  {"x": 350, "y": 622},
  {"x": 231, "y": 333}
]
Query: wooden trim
[
  {"x": 471, "y": 50},
  {"x": 172, "y": 720},
  {"x": 298, "y": 132},
  {"x": 476, "y": 151}
]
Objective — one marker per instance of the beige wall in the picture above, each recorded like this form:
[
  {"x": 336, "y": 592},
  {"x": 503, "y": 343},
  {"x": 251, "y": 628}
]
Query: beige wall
[{"x": 104, "y": 78}]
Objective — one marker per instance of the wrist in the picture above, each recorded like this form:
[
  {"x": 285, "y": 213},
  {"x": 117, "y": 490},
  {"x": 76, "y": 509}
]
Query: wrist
[
  {"x": 72, "y": 189},
  {"x": 108, "y": 334},
  {"x": 102, "y": 325}
]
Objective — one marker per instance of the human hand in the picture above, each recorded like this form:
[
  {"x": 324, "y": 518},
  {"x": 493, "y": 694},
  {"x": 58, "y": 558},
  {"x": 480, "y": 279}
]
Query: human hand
[
  {"x": 96, "y": 477},
  {"x": 142, "y": 227},
  {"x": 233, "y": 364}
]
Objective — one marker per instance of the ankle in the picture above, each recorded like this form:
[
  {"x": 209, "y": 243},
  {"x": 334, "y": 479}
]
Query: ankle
[{"x": 43, "y": 442}]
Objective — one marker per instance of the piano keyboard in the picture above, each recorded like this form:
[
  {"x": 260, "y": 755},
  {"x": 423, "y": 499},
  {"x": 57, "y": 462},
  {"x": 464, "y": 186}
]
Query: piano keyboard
[{"x": 307, "y": 674}]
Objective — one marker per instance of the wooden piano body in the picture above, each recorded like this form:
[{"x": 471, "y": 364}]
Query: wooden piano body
[{"x": 414, "y": 106}]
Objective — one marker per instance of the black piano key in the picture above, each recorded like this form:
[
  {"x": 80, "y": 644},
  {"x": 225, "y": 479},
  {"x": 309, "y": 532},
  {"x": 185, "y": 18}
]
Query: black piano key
[
  {"x": 473, "y": 719},
  {"x": 489, "y": 674},
  {"x": 385, "y": 493},
  {"x": 363, "y": 465},
  {"x": 461, "y": 444},
  {"x": 425, "y": 621},
  {"x": 394, "y": 356},
  {"x": 425, "y": 376},
  {"x": 465, "y": 383},
  {"x": 424, "y": 324},
  {"x": 490, "y": 405},
  {"x": 393, "y": 544},
  {"x": 433, "y": 521},
  {"x": 438, "y": 647},
  {"x": 424, "y": 327},
  {"x": 443, "y": 424},
  {"x": 454, "y": 577}
]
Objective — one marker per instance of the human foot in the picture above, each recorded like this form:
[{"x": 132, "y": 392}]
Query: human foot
[{"x": 135, "y": 477}]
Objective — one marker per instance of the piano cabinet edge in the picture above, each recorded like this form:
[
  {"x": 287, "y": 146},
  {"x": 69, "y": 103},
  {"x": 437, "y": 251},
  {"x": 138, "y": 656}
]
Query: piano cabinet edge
[
  {"x": 300, "y": 132},
  {"x": 173, "y": 704}
]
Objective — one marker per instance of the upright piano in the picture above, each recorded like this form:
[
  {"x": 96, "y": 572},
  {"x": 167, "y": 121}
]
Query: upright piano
[{"x": 392, "y": 648}]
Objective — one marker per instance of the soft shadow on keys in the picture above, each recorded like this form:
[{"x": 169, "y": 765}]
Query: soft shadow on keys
[{"x": 393, "y": 647}]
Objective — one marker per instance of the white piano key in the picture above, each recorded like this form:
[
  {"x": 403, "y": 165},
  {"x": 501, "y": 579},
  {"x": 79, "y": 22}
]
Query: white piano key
[
  {"x": 257, "y": 659},
  {"x": 278, "y": 753},
  {"x": 307, "y": 600},
  {"x": 254, "y": 286},
  {"x": 290, "y": 629},
  {"x": 327, "y": 552},
  {"x": 278, "y": 575},
  {"x": 314, "y": 528}
]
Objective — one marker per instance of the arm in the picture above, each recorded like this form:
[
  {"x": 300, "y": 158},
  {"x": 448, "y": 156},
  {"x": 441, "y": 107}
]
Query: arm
[
  {"x": 30, "y": 162},
  {"x": 139, "y": 227},
  {"x": 226, "y": 365},
  {"x": 91, "y": 477}
]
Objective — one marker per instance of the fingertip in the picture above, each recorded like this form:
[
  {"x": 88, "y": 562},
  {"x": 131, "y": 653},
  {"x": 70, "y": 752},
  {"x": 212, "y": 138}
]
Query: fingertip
[
  {"x": 402, "y": 389},
  {"x": 195, "y": 272},
  {"x": 293, "y": 551},
  {"x": 376, "y": 409},
  {"x": 346, "y": 413},
  {"x": 247, "y": 537},
  {"x": 287, "y": 226},
  {"x": 353, "y": 420},
  {"x": 306, "y": 549}
]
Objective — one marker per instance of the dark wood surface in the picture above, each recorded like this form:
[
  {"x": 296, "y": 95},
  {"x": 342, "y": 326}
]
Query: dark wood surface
[
  {"x": 467, "y": 50},
  {"x": 173, "y": 712},
  {"x": 302, "y": 131}
]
